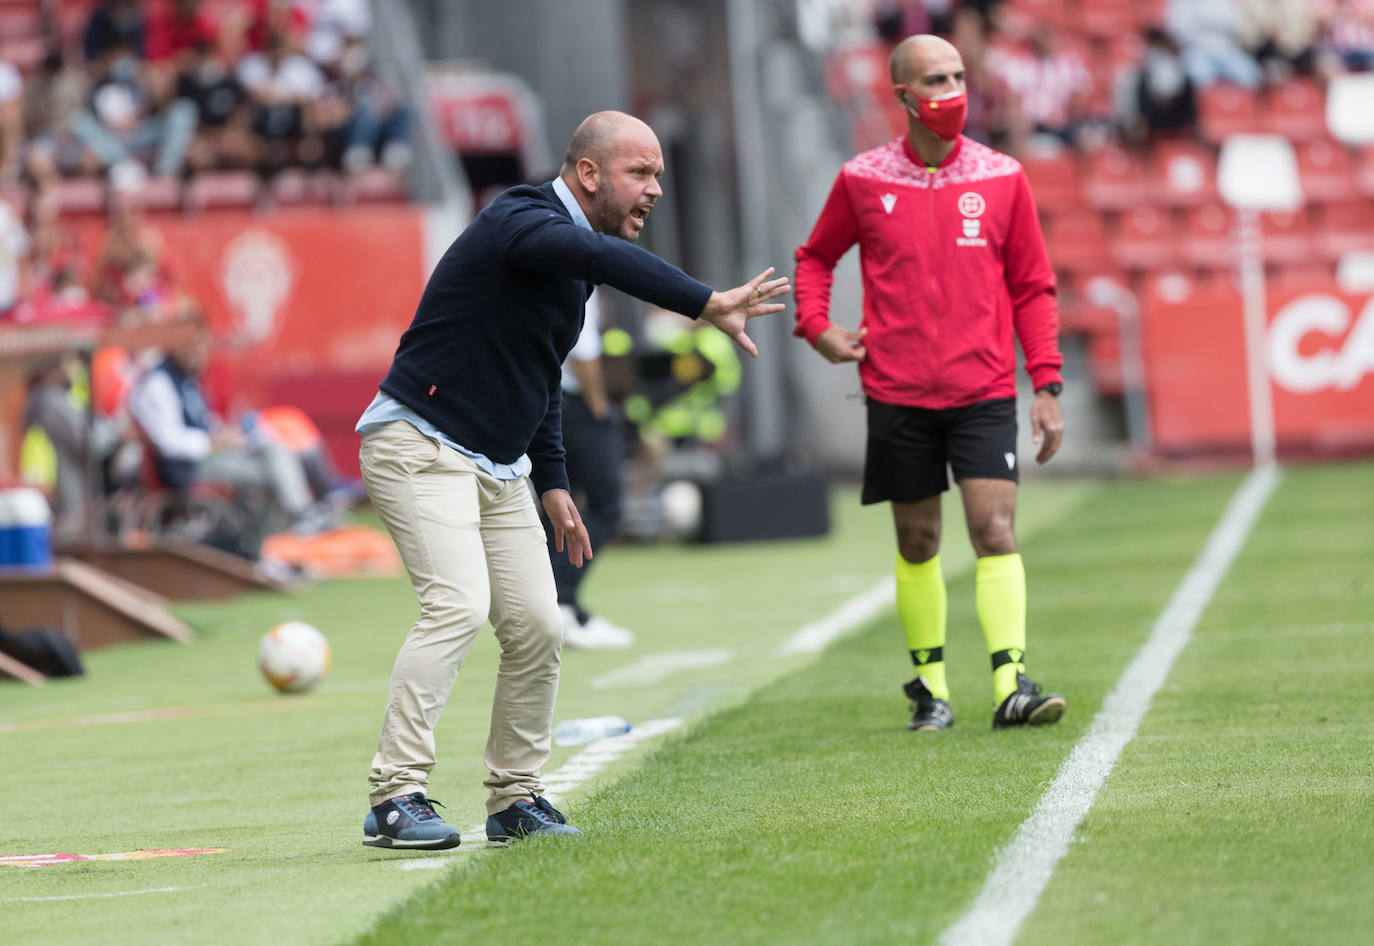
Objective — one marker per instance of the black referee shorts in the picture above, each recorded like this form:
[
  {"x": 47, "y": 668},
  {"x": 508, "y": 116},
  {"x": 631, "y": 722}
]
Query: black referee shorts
[{"x": 909, "y": 448}]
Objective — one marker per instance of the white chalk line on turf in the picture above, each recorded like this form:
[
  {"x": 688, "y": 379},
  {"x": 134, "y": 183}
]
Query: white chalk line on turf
[
  {"x": 1024, "y": 866},
  {"x": 863, "y": 607},
  {"x": 98, "y": 896},
  {"x": 578, "y": 769}
]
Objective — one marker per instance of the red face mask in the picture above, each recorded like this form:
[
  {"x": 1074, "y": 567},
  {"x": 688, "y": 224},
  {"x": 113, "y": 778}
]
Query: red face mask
[{"x": 944, "y": 116}]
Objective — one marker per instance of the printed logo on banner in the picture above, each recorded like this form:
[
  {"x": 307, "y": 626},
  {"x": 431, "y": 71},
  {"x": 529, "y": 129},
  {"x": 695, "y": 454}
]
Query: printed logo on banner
[
  {"x": 1304, "y": 365},
  {"x": 257, "y": 273},
  {"x": 971, "y": 205}
]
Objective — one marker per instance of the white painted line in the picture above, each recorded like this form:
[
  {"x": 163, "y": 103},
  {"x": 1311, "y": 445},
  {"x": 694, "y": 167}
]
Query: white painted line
[
  {"x": 97, "y": 896},
  {"x": 858, "y": 610},
  {"x": 1024, "y": 866},
  {"x": 595, "y": 757},
  {"x": 653, "y": 668}
]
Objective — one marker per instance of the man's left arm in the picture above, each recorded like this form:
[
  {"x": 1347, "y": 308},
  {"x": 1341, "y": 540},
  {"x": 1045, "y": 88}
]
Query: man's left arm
[
  {"x": 550, "y": 478},
  {"x": 1035, "y": 315}
]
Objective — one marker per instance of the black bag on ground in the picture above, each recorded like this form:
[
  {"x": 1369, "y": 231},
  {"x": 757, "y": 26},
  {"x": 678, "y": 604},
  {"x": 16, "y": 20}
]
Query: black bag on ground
[{"x": 47, "y": 651}]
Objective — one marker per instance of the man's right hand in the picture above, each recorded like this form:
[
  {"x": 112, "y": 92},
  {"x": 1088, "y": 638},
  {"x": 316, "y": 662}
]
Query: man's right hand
[{"x": 837, "y": 344}]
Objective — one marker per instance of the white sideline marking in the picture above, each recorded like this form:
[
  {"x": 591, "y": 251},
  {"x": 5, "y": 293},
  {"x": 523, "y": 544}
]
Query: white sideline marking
[
  {"x": 816, "y": 636},
  {"x": 582, "y": 766},
  {"x": 1024, "y": 866},
  {"x": 96, "y": 896},
  {"x": 652, "y": 668}
]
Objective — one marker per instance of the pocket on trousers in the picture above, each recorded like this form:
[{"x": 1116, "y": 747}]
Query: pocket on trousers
[{"x": 399, "y": 444}]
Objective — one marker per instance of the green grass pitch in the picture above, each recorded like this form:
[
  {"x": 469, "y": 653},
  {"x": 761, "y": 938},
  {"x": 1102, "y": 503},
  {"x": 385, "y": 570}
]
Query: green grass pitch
[{"x": 790, "y": 805}]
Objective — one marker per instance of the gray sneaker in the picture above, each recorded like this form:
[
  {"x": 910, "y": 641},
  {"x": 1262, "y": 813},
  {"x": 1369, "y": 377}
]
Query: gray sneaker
[
  {"x": 408, "y": 821},
  {"x": 526, "y": 819}
]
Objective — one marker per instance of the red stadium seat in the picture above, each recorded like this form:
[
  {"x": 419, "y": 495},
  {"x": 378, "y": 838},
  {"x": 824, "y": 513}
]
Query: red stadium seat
[
  {"x": 1297, "y": 109},
  {"x": 216, "y": 190},
  {"x": 1324, "y": 170},
  {"x": 1208, "y": 240},
  {"x": 1364, "y": 171},
  {"x": 1104, "y": 363},
  {"x": 296, "y": 187},
  {"x": 375, "y": 185},
  {"x": 1108, "y": 18},
  {"x": 1054, "y": 180},
  {"x": 1181, "y": 173},
  {"x": 1287, "y": 237},
  {"x": 1225, "y": 109},
  {"x": 1114, "y": 179},
  {"x": 1077, "y": 242},
  {"x": 1084, "y": 307},
  {"x": 80, "y": 195},
  {"x": 1344, "y": 227},
  {"x": 1145, "y": 240}
]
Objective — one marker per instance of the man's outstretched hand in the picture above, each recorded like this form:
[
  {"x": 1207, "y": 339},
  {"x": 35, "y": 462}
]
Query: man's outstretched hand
[{"x": 731, "y": 310}]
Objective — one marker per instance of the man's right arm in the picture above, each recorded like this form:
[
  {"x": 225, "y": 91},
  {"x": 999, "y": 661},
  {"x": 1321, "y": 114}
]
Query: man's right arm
[{"x": 836, "y": 230}]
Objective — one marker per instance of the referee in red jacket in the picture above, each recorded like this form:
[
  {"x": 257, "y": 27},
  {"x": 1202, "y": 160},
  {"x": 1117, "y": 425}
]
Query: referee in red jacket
[{"x": 953, "y": 263}]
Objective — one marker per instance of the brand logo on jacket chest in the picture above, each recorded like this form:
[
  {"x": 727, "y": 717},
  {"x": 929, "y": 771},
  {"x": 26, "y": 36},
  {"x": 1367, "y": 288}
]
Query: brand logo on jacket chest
[{"x": 971, "y": 205}]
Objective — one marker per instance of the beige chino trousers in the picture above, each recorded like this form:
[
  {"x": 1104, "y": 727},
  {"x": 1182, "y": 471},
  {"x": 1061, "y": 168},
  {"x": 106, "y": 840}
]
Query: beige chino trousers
[{"x": 475, "y": 550}]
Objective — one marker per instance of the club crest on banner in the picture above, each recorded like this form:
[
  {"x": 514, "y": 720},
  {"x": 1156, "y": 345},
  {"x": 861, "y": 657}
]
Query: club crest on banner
[{"x": 257, "y": 274}]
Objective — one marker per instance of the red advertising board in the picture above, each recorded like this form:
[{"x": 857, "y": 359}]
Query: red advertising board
[
  {"x": 1319, "y": 353},
  {"x": 299, "y": 297}
]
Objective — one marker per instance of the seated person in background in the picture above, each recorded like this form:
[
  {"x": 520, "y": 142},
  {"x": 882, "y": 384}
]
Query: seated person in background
[
  {"x": 54, "y": 452},
  {"x": 130, "y": 273},
  {"x": 168, "y": 406}
]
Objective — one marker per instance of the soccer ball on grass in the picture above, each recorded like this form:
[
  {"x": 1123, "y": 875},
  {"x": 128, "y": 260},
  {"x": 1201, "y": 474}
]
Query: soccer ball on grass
[{"x": 293, "y": 656}]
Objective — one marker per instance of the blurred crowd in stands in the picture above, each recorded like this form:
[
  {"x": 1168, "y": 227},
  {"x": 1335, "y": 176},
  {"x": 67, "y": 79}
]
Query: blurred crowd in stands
[
  {"x": 1084, "y": 72},
  {"x": 115, "y": 109}
]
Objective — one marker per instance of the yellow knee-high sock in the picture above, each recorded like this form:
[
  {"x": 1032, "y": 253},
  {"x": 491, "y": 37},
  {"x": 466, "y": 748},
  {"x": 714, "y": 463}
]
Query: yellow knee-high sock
[
  {"x": 1000, "y": 591},
  {"x": 922, "y": 606}
]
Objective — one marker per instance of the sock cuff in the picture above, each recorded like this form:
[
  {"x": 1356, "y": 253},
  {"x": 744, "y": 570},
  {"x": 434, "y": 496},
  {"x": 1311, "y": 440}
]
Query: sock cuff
[
  {"x": 927, "y": 655},
  {"x": 993, "y": 567},
  {"x": 920, "y": 572}
]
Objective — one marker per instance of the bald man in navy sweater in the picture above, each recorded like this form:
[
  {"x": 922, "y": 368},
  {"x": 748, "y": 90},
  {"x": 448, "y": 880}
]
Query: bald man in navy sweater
[{"x": 469, "y": 415}]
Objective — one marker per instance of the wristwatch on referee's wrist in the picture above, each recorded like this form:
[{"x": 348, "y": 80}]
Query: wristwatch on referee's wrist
[{"x": 1054, "y": 387}]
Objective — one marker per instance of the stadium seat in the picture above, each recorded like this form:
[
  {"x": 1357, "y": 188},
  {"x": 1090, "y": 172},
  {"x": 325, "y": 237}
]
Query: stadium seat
[
  {"x": 1225, "y": 109},
  {"x": 1364, "y": 171},
  {"x": 1181, "y": 173},
  {"x": 1104, "y": 363},
  {"x": 1301, "y": 273},
  {"x": 1296, "y": 110},
  {"x": 1108, "y": 18},
  {"x": 1345, "y": 227},
  {"x": 217, "y": 190},
  {"x": 1084, "y": 306},
  {"x": 1324, "y": 170},
  {"x": 1077, "y": 242},
  {"x": 1145, "y": 239},
  {"x": 1287, "y": 237},
  {"x": 375, "y": 185},
  {"x": 79, "y": 195},
  {"x": 159, "y": 194},
  {"x": 296, "y": 187},
  {"x": 1054, "y": 180},
  {"x": 1114, "y": 179},
  {"x": 1208, "y": 239}
]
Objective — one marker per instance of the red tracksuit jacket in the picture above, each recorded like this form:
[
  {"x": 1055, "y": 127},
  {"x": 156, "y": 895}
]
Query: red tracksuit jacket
[{"x": 952, "y": 262}]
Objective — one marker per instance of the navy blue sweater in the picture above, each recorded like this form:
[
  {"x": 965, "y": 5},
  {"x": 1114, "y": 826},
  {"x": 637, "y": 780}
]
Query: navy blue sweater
[{"x": 480, "y": 360}]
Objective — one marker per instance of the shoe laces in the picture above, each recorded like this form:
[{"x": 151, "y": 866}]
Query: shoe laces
[
  {"x": 535, "y": 810},
  {"x": 418, "y": 807},
  {"x": 543, "y": 804}
]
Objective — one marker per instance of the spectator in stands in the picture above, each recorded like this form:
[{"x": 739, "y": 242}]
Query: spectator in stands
[
  {"x": 1347, "y": 35},
  {"x": 207, "y": 77},
  {"x": 284, "y": 87},
  {"x": 1208, "y": 33},
  {"x": 988, "y": 106},
  {"x": 1050, "y": 86},
  {"x": 131, "y": 274},
  {"x": 176, "y": 29},
  {"x": 1281, "y": 35},
  {"x": 378, "y": 125},
  {"x": 14, "y": 252},
  {"x": 114, "y": 25},
  {"x": 11, "y": 124},
  {"x": 55, "y": 93},
  {"x": 1158, "y": 97},
  {"x": 188, "y": 445},
  {"x": 125, "y": 124}
]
